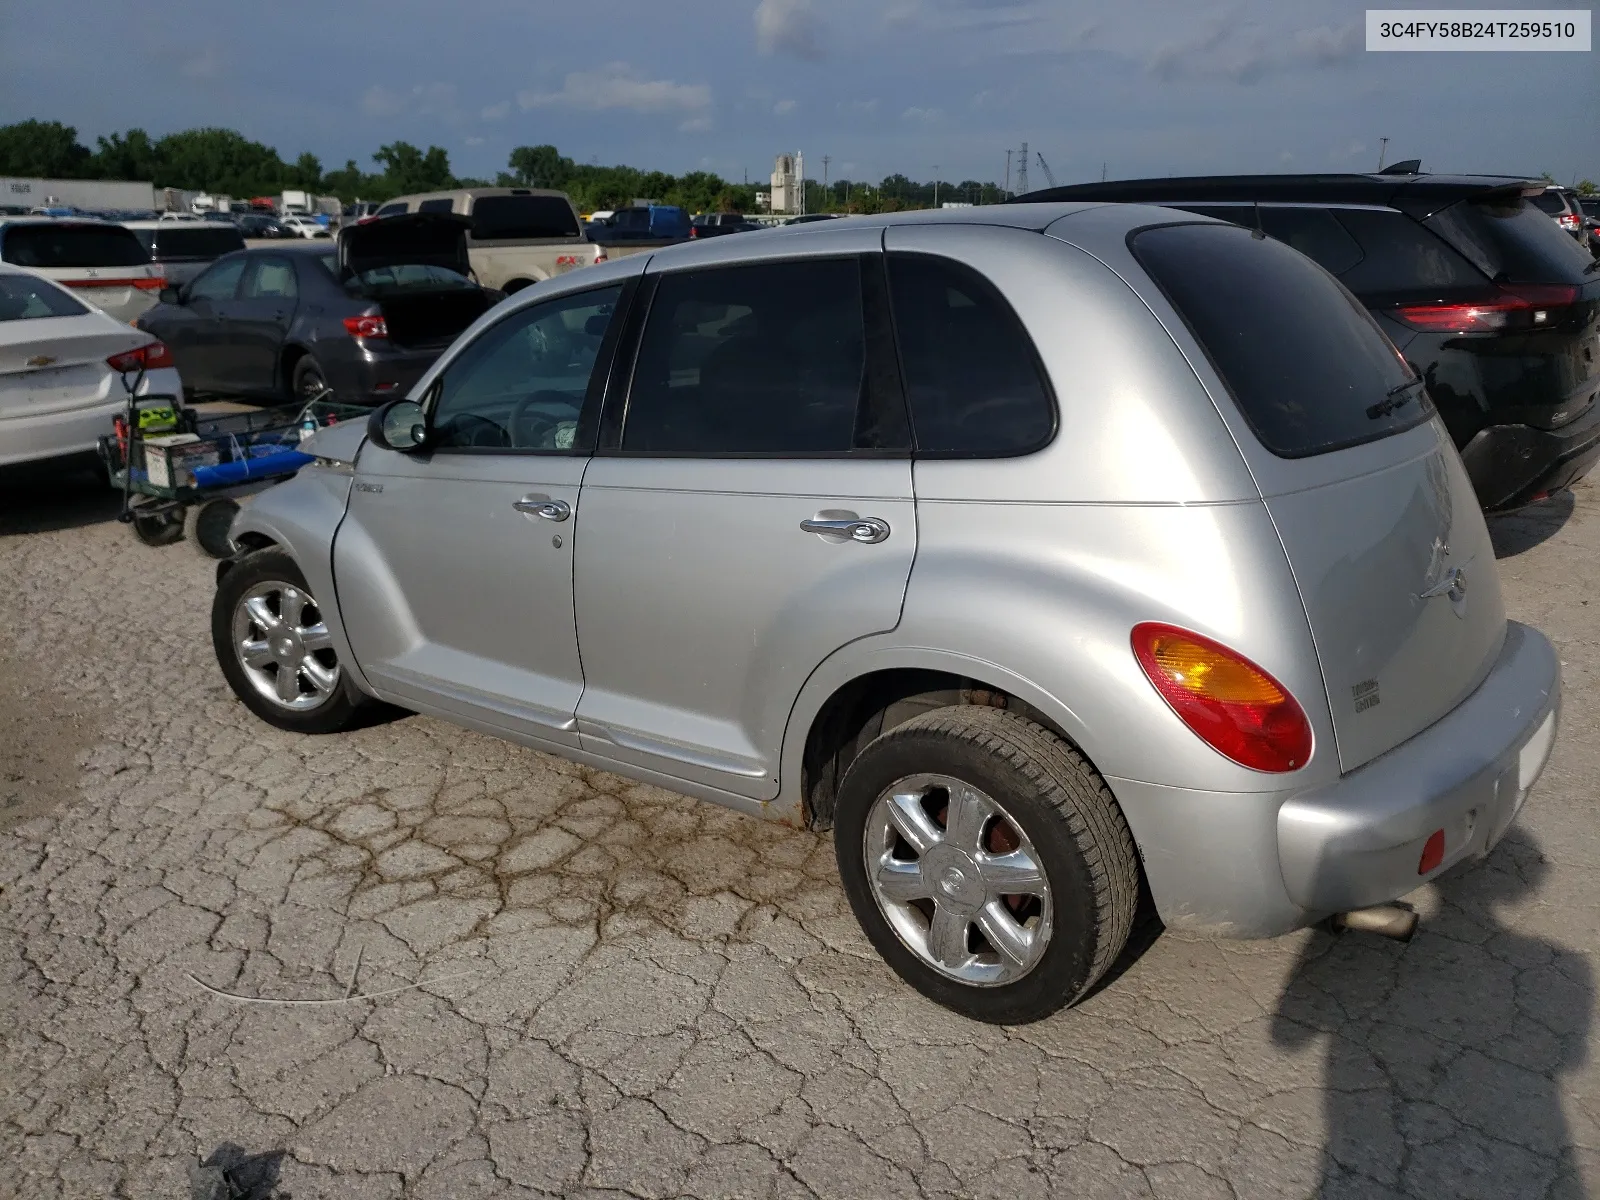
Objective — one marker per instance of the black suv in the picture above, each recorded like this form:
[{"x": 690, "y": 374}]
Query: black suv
[{"x": 1484, "y": 295}]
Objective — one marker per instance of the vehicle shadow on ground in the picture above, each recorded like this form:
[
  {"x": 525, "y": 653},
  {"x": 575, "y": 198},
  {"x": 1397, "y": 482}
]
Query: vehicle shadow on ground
[
  {"x": 45, "y": 497},
  {"x": 1514, "y": 533},
  {"x": 1453, "y": 1046}
]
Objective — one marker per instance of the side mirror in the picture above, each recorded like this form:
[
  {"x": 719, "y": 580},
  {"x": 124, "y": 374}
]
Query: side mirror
[
  {"x": 399, "y": 425},
  {"x": 171, "y": 295}
]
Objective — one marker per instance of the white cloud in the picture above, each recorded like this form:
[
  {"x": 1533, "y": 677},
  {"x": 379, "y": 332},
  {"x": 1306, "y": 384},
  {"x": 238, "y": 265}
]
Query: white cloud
[
  {"x": 474, "y": 141},
  {"x": 496, "y": 112},
  {"x": 423, "y": 100},
  {"x": 1285, "y": 156},
  {"x": 379, "y": 101},
  {"x": 205, "y": 65},
  {"x": 1231, "y": 47},
  {"x": 863, "y": 108},
  {"x": 617, "y": 85},
  {"x": 926, "y": 115},
  {"x": 784, "y": 107},
  {"x": 789, "y": 27},
  {"x": 695, "y": 125}
]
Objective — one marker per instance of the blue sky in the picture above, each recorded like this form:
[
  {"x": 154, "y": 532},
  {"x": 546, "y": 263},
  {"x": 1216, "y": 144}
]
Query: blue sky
[{"x": 1147, "y": 87}]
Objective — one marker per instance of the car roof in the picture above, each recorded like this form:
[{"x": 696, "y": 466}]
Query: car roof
[
  {"x": 1429, "y": 190},
  {"x": 160, "y": 224},
  {"x": 34, "y": 220}
]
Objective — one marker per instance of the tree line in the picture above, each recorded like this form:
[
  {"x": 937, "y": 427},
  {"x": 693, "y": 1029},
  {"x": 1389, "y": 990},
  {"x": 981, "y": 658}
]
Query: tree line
[{"x": 225, "y": 162}]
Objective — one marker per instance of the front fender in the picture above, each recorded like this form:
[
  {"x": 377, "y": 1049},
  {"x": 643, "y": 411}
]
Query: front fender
[{"x": 301, "y": 515}]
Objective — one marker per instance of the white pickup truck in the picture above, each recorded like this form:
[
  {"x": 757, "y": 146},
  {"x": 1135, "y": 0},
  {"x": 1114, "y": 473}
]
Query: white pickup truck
[{"x": 519, "y": 236}]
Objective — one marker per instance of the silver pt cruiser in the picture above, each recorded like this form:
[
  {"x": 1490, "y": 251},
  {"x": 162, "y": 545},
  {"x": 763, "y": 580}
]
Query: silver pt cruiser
[{"x": 1040, "y": 551}]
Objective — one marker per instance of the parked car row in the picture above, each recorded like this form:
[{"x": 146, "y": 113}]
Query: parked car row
[{"x": 1051, "y": 555}]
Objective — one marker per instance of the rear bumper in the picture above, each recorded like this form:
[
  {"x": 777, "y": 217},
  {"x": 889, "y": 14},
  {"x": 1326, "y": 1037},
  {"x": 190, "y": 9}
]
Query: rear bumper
[
  {"x": 360, "y": 375},
  {"x": 76, "y": 431},
  {"x": 1510, "y": 465},
  {"x": 1262, "y": 863},
  {"x": 1357, "y": 842}
]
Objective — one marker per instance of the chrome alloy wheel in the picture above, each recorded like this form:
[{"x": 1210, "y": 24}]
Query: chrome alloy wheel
[
  {"x": 958, "y": 880},
  {"x": 284, "y": 646}
]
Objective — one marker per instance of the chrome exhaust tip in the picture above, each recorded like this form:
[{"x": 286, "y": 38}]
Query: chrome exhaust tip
[{"x": 1389, "y": 920}]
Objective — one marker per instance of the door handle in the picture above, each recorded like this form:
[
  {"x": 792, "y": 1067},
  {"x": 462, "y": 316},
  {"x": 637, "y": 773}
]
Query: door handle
[
  {"x": 870, "y": 530},
  {"x": 543, "y": 506}
]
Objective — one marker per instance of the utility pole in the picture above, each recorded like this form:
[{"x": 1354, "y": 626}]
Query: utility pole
[
  {"x": 1383, "y": 149},
  {"x": 1008, "y": 172},
  {"x": 1102, "y": 172},
  {"x": 1022, "y": 170},
  {"x": 826, "y": 159},
  {"x": 936, "y": 185}
]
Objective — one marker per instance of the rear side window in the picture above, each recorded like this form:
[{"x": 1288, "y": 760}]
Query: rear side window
[
  {"x": 205, "y": 242},
  {"x": 444, "y": 205},
  {"x": 1312, "y": 231},
  {"x": 522, "y": 217},
  {"x": 971, "y": 374},
  {"x": 1399, "y": 255},
  {"x": 389, "y": 210},
  {"x": 1550, "y": 202},
  {"x": 63, "y": 245},
  {"x": 1513, "y": 242},
  {"x": 1307, "y": 366},
  {"x": 766, "y": 359},
  {"x": 24, "y": 298},
  {"x": 269, "y": 279}
]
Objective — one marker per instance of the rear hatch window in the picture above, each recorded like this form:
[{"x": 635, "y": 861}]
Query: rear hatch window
[
  {"x": 202, "y": 243},
  {"x": 509, "y": 217},
  {"x": 1512, "y": 241},
  {"x": 60, "y": 245},
  {"x": 1309, "y": 369}
]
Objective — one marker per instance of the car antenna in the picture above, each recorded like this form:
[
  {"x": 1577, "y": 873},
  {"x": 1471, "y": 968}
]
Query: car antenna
[{"x": 1258, "y": 233}]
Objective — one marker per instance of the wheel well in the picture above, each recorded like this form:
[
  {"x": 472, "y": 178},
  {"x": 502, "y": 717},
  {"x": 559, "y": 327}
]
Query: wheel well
[
  {"x": 247, "y": 543},
  {"x": 513, "y": 286},
  {"x": 286, "y": 362},
  {"x": 872, "y": 704}
]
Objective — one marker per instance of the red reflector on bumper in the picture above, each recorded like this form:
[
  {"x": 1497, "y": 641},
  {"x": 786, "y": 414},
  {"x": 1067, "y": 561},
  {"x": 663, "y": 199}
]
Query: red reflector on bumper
[{"x": 1432, "y": 853}]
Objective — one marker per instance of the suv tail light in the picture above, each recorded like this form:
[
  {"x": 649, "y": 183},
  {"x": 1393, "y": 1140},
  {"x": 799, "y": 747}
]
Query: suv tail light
[
  {"x": 1527, "y": 306},
  {"x": 150, "y": 357},
  {"x": 1227, "y": 701},
  {"x": 366, "y": 327}
]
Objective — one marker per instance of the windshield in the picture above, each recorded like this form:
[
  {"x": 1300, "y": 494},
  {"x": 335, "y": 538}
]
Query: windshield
[
  {"x": 59, "y": 244},
  {"x": 1307, "y": 366},
  {"x": 1512, "y": 242},
  {"x": 23, "y": 298},
  {"x": 1551, "y": 202}
]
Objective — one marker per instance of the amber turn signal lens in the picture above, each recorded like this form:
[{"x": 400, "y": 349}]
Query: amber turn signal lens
[{"x": 1231, "y": 704}]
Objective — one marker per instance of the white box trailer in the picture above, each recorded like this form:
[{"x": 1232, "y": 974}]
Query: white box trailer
[{"x": 89, "y": 194}]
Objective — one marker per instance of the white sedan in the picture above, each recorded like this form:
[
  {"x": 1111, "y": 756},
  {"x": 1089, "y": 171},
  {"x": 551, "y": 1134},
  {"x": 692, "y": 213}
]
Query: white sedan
[
  {"x": 305, "y": 227},
  {"x": 62, "y": 366}
]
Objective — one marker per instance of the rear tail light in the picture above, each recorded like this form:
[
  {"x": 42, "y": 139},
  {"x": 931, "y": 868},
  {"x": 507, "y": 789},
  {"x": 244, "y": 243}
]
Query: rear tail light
[
  {"x": 1432, "y": 852},
  {"x": 1227, "y": 701},
  {"x": 144, "y": 284},
  {"x": 151, "y": 357},
  {"x": 1527, "y": 305},
  {"x": 366, "y": 327}
]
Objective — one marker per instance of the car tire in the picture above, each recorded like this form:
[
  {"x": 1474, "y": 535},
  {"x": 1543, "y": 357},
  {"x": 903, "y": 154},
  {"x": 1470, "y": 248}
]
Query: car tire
[
  {"x": 156, "y": 524},
  {"x": 306, "y": 381},
  {"x": 1021, "y": 809},
  {"x": 321, "y": 699}
]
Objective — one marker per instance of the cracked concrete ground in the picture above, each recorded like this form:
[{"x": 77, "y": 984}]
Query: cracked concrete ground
[{"x": 610, "y": 990}]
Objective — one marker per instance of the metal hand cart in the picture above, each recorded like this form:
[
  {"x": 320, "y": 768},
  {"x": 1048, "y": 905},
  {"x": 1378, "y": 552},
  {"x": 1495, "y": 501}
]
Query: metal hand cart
[{"x": 166, "y": 458}]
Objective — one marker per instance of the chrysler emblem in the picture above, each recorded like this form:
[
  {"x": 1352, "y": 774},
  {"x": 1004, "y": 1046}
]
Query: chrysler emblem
[{"x": 41, "y": 360}]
